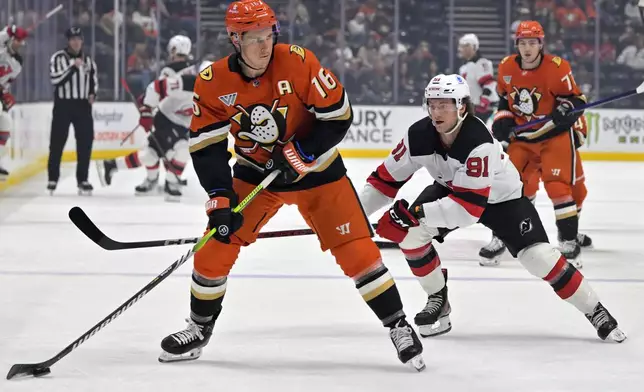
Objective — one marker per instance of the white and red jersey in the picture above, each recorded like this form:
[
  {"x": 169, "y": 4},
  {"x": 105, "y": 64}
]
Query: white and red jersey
[
  {"x": 10, "y": 63},
  {"x": 172, "y": 95},
  {"x": 479, "y": 74},
  {"x": 475, "y": 169}
]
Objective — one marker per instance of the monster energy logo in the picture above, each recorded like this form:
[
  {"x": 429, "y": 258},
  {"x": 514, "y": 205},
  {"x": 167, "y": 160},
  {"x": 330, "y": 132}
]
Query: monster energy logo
[{"x": 627, "y": 128}]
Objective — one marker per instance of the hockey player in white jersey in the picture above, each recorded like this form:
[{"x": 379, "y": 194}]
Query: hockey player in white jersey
[
  {"x": 474, "y": 182},
  {"x": 479, "y": 74},
  {"x": 167, "y": 107},
  {"x": 171, "y": 100},
  {"x": 11, "y": 40}
]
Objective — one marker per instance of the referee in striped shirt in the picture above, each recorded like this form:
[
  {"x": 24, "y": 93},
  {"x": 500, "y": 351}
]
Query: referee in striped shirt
[{"x": 74, "y": 76}]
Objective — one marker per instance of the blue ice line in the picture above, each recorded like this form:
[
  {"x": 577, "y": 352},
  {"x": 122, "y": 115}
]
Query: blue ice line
[{"x": 295, "y": 276}]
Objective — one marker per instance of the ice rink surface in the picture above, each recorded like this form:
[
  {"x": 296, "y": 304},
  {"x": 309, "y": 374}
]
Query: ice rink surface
[{"x": 291, "y": 320}]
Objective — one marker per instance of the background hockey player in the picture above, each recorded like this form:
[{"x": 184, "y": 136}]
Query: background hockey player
[
  {"x": 167, "y": 107},
  {"x": 11, "y": 40},
  {"x": 533, "y": 85},
  {"x": 474, "y": 182},
  {"x": 288, "y": 113},
  {"x": 479, "y": 74}
]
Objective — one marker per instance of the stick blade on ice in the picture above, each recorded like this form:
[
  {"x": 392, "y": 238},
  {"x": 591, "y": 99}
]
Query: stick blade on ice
[{"x": 23, "y": 370}]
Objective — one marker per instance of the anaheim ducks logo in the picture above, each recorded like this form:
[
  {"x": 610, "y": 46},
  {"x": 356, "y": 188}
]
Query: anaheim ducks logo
[
  {"x": 262, "y": 125},
  {"x": 526, "y": 102}
]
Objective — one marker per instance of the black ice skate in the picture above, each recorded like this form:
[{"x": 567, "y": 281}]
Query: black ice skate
[
  {"x": 147, "y": 187},
  {"x": 407, "y": 344},
  {"x": 491, "y": 253},
  {"x": 606, "y": 325},
  {"x": 572, "y": 252},
  {"x": 85, "y": 188},
  {"x": 434, "y": 320},
  {"x": 4, "y": 174},
  {"x": 51, "y": 187},
  {"x": 583, "y": 240},
  {"x": 106, "y": 170},
  {"x": 186, "y": 345},
  {"x": 172, "y": 192}
]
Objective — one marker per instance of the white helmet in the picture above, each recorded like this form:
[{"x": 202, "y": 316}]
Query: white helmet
[
  {"x": 469, "y": 39},
  {"x": 450, "y": 87},
  {"x": 179, "y": 45}
]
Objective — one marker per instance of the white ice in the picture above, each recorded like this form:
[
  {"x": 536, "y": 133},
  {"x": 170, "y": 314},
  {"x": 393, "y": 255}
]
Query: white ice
[{"x": 291, "y": 320}]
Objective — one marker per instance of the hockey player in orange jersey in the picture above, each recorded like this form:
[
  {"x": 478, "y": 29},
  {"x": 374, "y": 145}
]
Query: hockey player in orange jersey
[
  {"x": 533, "y": 85},
  {"x": 286, "y": 112}
]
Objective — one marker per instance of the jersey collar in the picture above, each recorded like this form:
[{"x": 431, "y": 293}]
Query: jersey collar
[
  {"x": 518, "y": 60},
  {"x": 234, "y": 65}
]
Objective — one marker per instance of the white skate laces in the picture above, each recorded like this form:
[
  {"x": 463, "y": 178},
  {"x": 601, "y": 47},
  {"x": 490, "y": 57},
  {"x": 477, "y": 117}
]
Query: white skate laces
[
  {"x": 495, "y": 244},
  {"x": 434, "y": 303},
  {"x": 401, "y": 336},
  {"x": 191, "y": 333}
]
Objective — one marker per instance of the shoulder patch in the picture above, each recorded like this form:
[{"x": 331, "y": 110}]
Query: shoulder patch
[
  {"x": 207, "y": 73},
  {"x": 557, "y": 60},
  {"x": 298, "y": 50},
  {"x": 505, "y": 59}
]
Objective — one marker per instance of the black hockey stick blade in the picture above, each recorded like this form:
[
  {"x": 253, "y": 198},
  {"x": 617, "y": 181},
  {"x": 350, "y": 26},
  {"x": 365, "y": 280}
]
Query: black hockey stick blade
[
  {"x": 84, "y": 224},
  {"x": 24, "y": 370}
]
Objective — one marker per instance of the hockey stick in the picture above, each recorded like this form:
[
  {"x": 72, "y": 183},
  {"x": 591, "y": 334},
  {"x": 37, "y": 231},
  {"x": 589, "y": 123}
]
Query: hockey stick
[
  {"x": 89, "y": 228},
  {"x": 129, "y": 135},
  {"x": 43, "y": 368},
  {"x": 44, "y": 18},
  {"x": 626, "y": 94}
]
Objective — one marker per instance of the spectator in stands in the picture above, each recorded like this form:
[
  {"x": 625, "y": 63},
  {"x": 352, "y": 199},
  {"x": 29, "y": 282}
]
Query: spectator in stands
[
  {"x": 607, "y": 50},
  {"x": 628, "y": 37},
  {"x": 369, "y": 53},
  {"x": 390, "y": 49},
  {"x": 145, "y": 16},
  {"x": 570, "y": 16},
  {"x": 633, "y": 55},
  {"x": 633, "y": 13},
  {"x": 358, "y": 30},
  {"x": 368, "y": 9}
]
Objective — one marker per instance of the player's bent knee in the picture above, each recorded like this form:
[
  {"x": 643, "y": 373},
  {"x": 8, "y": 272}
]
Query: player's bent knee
[
  {"x": 149, "y": 157},
  {"x": 357, "y": 257},
  {"x": 579, "y": 193},
  {"x": 558, "y": 190},
  {"x": 539, "y": 259},
  {"x": 418, "y": 237},
  {"x": 216, "y": 258},
  {"x": 181, "y": 152}
]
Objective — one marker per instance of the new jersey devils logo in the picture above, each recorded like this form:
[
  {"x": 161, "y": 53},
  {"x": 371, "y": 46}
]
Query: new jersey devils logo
[
  {"x": 526, "y": 102},
  {"x": 261, "y": 124}
]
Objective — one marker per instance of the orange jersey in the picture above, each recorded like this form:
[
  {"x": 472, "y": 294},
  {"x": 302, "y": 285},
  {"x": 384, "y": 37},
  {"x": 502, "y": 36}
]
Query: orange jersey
[
  {"x": 288, "y": 102},
  {"x": 533, "y": 94}
]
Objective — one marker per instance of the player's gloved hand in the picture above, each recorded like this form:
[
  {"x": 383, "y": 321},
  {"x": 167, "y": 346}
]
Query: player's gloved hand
[
  {"x": 396, "y": 222},
  {"x": 7, "y": 100},
  {"x": 146, "y": 119},
  {"x": 17, "y": 32},
  {"x": 562, "y": 114},
  {"x": 503, "y": 125},
  {"x": 292, "y": 161},
  {"x": 221, "y": 216}
]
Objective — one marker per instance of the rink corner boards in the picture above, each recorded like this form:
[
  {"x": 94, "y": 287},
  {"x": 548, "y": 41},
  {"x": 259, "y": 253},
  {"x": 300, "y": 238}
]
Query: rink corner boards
[{"x": 29, "y": 170}]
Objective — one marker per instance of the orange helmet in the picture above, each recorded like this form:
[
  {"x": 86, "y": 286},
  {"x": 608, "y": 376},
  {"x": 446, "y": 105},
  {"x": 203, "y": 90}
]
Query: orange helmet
[
  {"x": 529, "y": 29},
  {"x": 246, "y": 15}
]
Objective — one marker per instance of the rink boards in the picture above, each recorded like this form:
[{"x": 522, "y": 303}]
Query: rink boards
[{"x": 613, "y": 134}]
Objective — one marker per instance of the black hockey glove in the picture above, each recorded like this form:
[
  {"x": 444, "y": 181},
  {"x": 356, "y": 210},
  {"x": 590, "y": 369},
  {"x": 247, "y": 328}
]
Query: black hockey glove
[
  {"x": 503, "y": 125},
  {"x": 221, "y": 216},
  {"x": 562, "y": 115},
  {"x": 292, "y": 161}
]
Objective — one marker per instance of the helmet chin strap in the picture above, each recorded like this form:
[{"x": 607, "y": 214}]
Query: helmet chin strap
[{"x": 457, "y": 125}]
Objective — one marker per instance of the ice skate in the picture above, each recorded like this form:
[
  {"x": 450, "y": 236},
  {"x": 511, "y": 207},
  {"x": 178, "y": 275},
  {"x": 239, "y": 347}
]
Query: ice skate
[
  {"x": 4, "y": 174},
  {"x": 147, "y": 187},
  {"x": 434, "y": 320},
  {"x": 584, "y": 241},
  {"x": 407, "y": 344},
  {"x": 51, "y": 187},
  {"x": 85, "y": 188},
  {"x": 106, "y": 170},
  {"x": 187, "y": 344},
  {"x": 491, "y": 253},
  {"x": 606, "y": 325},
  {"x": 572, "y": 252},
  {"x": 172, "y": 191}
]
